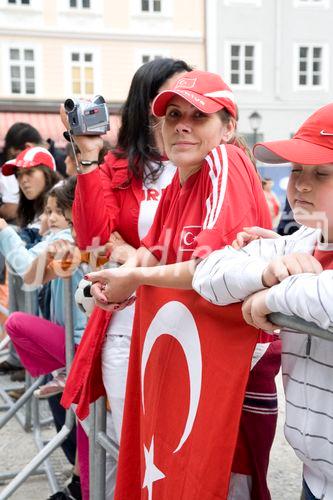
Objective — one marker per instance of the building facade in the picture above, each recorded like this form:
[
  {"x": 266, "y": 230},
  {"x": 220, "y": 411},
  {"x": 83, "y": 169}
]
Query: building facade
[
  {"x": 53, "y": 49},
  {"x": 278, "y": 57}
]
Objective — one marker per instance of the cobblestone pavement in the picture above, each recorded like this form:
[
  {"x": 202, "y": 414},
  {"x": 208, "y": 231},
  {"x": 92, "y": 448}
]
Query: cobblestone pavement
[{"x": 17, "y": 448}]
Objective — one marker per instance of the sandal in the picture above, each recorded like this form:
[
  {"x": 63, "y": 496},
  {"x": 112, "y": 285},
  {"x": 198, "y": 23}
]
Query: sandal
[{"x": 53, "y": 387}]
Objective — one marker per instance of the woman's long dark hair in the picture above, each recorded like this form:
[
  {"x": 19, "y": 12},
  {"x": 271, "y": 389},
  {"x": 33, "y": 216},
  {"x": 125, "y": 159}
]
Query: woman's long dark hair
[
  {"x": 136, "y": 139},
  {"x": 28, "y": 210}
]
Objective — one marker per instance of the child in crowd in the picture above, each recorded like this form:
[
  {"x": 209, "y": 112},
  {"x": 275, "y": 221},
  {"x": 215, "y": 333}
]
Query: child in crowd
[
  {"x": 39, "y": 342},
  {"x": 34, "y": 169},
  {"x": 264, "y": 275}
]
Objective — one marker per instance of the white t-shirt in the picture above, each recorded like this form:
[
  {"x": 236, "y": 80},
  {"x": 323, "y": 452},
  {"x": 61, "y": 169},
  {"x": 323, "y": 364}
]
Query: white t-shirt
[
  {"x": 9, "y": 188},
  {"x": 122, "y": 321}
]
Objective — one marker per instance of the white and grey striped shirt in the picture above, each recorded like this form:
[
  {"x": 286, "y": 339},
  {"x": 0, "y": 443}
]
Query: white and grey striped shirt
[{"x": 228, "y": 276}]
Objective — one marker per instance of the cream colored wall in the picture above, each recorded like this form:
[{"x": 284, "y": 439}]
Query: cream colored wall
[
  {"x": 121, "y": 66},
  {"x": 49, "y": 13},
  {"x": 118, "y": 58},
  {"x": 116, "y": 14},
  {"x": 118, "y": 63},
  {"x": 189, "y": 15}
]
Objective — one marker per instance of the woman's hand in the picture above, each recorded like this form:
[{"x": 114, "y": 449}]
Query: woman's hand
[
  {"x": 295, "y": 263},
  {"x": 3, "y": 224},
  {"x": 120, "y": 251},
  {"x": 252, "y": 233},
  {"x": 255, "y": 312},
  {"x": 113, "y": 285},
  {"x": 89, "y": 145}
]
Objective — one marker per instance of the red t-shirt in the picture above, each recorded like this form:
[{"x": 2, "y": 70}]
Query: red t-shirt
[
  {"x": 209, "y": 209},
  {"x": 324, "y": 253}
]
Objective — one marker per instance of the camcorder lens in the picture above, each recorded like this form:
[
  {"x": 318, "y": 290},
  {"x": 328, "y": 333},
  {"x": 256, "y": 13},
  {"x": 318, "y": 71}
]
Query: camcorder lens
[{"x": 69, "y": 105}]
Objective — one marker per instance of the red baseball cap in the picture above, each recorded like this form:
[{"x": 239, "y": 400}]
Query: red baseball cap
[
  {"x": 311, "y": 145},
  {"x": 206, "y": 91},
  {"x": 30, "y": 157}
]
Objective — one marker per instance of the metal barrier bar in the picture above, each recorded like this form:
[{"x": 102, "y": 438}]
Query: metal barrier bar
[
  {"x": 99, "y": 444},
  {"x": 4, "y": 310},
  {"x": 25, "y": 399},
  {"x": 4, "y": 342},
  {"x": 58, "y": 439},
  {"x": 100, "y": 453},
  {"x": 92, "y": 441},
  {"x": 300, "y": 325},
  {"x": 31, "y": 306},
  {"x": 14, "y": 407},
  {"x": 40, "y": 442}
]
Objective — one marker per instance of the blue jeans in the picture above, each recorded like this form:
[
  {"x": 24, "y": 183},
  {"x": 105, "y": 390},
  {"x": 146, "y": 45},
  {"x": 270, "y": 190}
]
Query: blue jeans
[{"x": 308, "y": 495}]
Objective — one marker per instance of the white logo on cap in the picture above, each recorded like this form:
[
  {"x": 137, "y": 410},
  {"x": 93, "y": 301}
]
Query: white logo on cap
[
  {"x": 186, "y": 82},
  {"x": 226, "y": 94},
  {"x": 323, "y": 132},
  {"x": 193, "y": 97}
]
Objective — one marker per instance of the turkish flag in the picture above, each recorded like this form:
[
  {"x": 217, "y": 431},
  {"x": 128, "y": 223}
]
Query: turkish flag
[{"x": 189, "y": 366}]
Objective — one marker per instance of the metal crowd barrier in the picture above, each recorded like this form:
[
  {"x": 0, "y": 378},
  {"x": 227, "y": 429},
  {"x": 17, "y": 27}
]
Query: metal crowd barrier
[
  {"x": 301, "y": 326},
  {"x": 99, "y": 444},
  {"x": 25, "y": 400},
  {"x": 99, "y": 441},
  {"x": 57, "y": 440}
]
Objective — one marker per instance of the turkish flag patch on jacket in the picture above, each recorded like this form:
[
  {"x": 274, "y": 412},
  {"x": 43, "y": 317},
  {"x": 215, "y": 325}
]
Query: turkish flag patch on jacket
[{"x": 189, "y": 366}]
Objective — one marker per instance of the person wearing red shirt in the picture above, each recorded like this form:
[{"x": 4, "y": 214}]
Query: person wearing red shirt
[{"x": 213, "y": 195}]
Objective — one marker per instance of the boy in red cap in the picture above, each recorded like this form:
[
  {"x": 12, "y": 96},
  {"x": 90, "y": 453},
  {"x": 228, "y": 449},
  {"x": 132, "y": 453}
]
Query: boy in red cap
[{"x": 264, "y": 275}]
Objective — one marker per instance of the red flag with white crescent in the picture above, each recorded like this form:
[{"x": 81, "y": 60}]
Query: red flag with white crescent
[{"x": 189, "y": 366}]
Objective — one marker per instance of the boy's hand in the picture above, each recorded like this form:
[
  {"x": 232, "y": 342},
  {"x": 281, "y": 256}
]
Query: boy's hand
[
  {"x": 255, "y": 312},
  {"x": 295, "y": 263},
  {"x": 63, "y": 256},
  {"x": 252, "y": 233}
]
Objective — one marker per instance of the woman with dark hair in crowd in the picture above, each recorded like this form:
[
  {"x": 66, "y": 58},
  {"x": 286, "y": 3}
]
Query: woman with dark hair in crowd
[{"x": 119, "y": 197}]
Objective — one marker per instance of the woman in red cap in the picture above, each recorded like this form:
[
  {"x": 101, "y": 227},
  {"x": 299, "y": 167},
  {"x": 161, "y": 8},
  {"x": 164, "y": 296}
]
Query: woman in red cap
[
  {"x": 34, "y": 169},
  {"x": 214, "y": 193}
]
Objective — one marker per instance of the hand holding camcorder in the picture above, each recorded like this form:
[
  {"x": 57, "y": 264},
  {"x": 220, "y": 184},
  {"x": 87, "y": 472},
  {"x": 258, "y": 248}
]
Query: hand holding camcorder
[{"x": 87, "y": 117}]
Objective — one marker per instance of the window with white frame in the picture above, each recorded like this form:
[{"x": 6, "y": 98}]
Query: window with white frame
[
  {"x": 19, "y": 2},
  {"x": 79, "y": 4},
  {"x": 142, "y": 56},
  {"x": 242, "y": 64},
  {"x": 82, "y": 73},
  {"x": 310, "y": 66},
  {"x": 151, "y": 6},
  {"x": 149, "y": 57},
  {"x": 22, "y": 69}
]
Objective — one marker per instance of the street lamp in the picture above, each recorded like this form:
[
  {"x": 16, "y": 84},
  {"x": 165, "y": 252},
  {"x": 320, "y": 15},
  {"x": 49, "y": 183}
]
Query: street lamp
[{"x": 255, "y": 122}]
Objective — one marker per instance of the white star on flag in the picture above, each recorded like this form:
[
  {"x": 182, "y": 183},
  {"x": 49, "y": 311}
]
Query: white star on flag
[{"x": 152, "y": 473}]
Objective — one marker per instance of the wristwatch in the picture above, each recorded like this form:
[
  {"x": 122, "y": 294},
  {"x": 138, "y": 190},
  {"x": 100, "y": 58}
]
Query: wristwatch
[
  {"x": 85, "y": 164},
  {"x": 88, "y": 163}
]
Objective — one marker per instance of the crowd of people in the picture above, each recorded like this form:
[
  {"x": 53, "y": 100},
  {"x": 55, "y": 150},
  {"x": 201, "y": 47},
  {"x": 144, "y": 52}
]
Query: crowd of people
[{"x": 183, "y": 223}]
